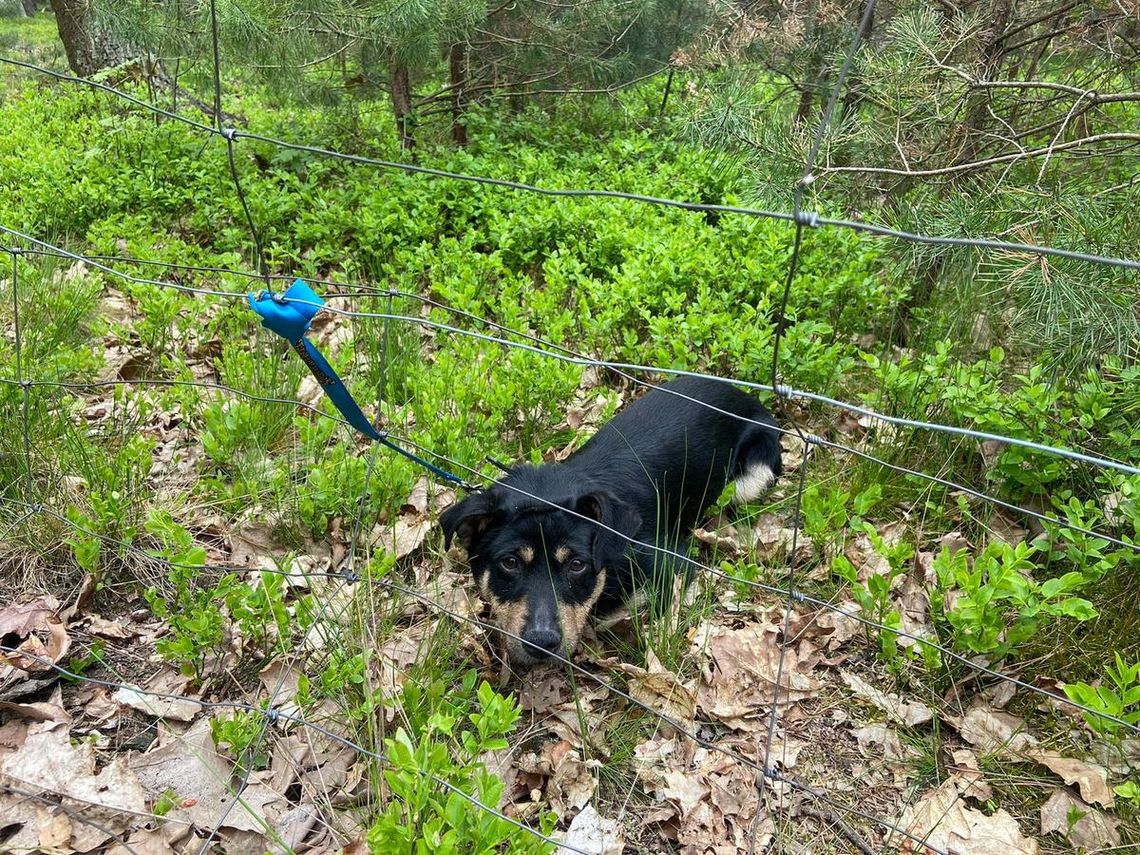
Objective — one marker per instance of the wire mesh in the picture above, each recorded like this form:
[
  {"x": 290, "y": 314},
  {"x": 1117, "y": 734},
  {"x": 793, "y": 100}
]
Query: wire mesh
[{"x": 763, "y": 765}]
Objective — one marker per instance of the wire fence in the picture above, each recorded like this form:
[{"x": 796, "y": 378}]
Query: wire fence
[{"x": 765, "y": 766}]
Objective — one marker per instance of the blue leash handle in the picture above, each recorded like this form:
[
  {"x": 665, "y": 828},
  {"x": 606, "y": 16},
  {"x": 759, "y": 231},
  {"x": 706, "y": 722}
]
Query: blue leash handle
[{"x": 290, "y": 316}]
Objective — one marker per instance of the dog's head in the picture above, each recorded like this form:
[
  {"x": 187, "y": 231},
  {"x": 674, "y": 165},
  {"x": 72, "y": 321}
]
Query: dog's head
[{"x": 541, "y": 568}]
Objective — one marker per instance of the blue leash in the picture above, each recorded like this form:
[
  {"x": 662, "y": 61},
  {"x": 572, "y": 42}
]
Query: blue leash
[{"x": 289, "y": 315}]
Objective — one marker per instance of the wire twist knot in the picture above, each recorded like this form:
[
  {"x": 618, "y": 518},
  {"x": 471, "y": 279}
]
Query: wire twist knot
[{"x": 807, "y": 218}]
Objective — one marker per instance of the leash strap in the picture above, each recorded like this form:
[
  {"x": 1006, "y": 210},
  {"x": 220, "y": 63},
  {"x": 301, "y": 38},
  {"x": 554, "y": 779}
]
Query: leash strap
[{"x": 290, "y": 315}]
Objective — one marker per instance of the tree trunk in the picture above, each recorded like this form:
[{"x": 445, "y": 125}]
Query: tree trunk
[
  {"x": 89, "y": 49},
  {"x": 989, "y": 62},
  {"x": 401, "y": 87},
  {"x": 458, "y": 63},
  {"x": 854, "y": 93},
  {"x": 811, "y": 79},
  {"x": 668, "y": 89}
]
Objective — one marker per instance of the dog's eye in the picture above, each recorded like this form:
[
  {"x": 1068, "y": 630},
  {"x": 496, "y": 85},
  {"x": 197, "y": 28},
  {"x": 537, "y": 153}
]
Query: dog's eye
[
  {"x": 577, "y": 566},
  {"x": 510, "y": 564}
]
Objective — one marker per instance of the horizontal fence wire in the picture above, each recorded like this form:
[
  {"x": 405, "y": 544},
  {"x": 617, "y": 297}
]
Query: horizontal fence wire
[
  {"x": 560, "y": 353},
  {"x": 715, "y": 572},
  {"x": 811, "y": 219},
  {"x": 573, "y": 357}
]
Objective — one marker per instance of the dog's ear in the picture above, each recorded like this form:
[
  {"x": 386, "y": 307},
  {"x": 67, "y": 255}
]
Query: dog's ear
[
  {"x": 469, "y": 518},
  {"x": 614, "y": 514}
]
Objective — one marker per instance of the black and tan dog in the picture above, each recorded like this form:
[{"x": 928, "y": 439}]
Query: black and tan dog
[{"x": 647, "y": 476}]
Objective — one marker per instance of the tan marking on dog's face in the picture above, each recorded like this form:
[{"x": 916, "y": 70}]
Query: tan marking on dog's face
[
  {"x": 526, "y": 553},
  {"x": 562, "y": 554},
  {"x": 573, "y": 616},
  {"x": 509, "y": 617}
]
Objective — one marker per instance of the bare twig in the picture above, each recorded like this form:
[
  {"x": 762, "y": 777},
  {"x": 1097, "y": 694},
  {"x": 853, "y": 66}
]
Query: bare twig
[
  {"x": 829, "y": 817},
  {"x": 978, "y": 164}
]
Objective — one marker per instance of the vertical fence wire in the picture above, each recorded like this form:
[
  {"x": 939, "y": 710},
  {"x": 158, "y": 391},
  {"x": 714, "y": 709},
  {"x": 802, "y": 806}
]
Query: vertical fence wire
[
  {"x": 801, "y": 219},
  {"x": 24, "y": 384}
]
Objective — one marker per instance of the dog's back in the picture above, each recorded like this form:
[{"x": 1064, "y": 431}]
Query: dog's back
[{"x": 673, "y": 451}]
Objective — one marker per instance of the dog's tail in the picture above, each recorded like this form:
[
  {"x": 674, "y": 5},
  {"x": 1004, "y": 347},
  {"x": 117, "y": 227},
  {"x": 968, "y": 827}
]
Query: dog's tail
[{"x": 758, "y": 461}]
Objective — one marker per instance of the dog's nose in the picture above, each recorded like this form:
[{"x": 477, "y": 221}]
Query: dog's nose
[{"x": 542, "y": 642}]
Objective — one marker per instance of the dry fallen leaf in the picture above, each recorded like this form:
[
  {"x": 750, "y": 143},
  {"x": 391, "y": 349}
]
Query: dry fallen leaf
[
  {"x": 115, "y": 308},
  {"x": 836, "y": 627},
  {"x": 281, "y": 681},
  {"x": 48, "y": 763},
  {"x": 49, "y": 710},
  {"x": 910, "y": 713},
  {"x": 722, "y": 819},
  {"x": 309, "y": 391},
  {"x": 173, "y": 709},
  {"x": 402, "y": 537},
  {"x": 1093, "y": 831},
  {"x": 943, "y": 821},
  {"x": 407, "y": 532},
  {"x": 1006, "y": 530},
  {"x": 724, "y": 539},
  {"x": 36, "y": 633},
  {"x": 883, "y": 741},
  {"x": 993, "y": 731},
  {"x": 660, "y": 689},
  {"x": 252, "y": 545},
  {"x": 966, "y": 769},
  {"x": 1089, "y": 777},
  {"x": 166, "y": 682},
  {"x": 109, "y": 628},
  {"x": 540, "y": 694},
  {"x": 739, "y": 684},
  {"x": 189, "y": 765},
  {"x": 571, "y": 786},
  {"x": 772, "y": 540},
  {"x": 867, "y": 562},
  {"x": 593, "y": 833},
  {"x": 54, "y": 827},
  {"x": 144, "y": 842}
]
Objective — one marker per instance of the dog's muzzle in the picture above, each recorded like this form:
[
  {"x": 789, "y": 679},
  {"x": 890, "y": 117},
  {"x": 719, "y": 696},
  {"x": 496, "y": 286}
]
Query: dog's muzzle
[{"x": 541, "y": 633}]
